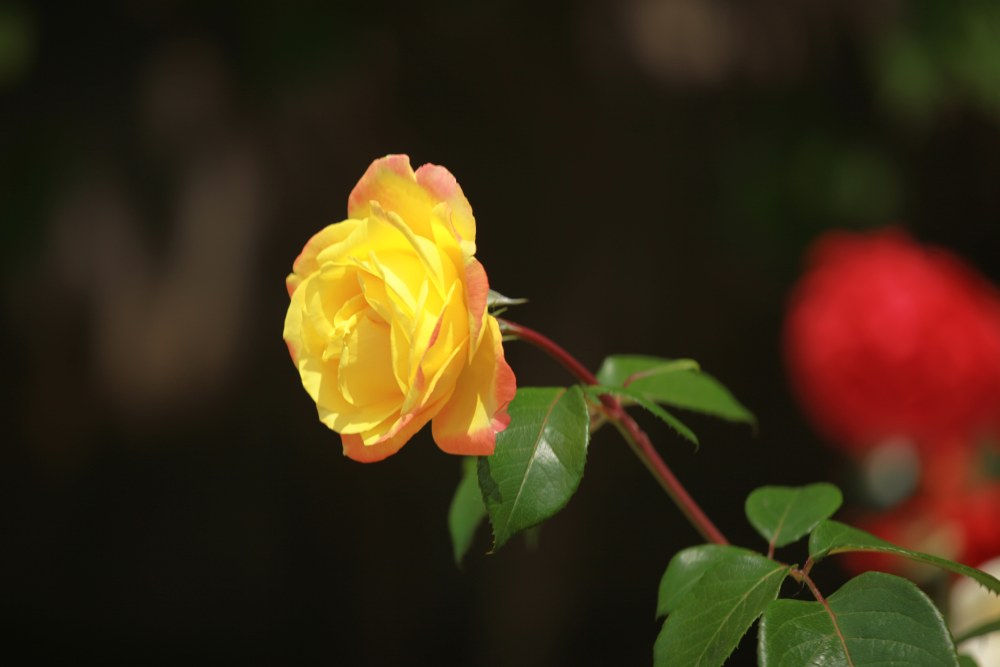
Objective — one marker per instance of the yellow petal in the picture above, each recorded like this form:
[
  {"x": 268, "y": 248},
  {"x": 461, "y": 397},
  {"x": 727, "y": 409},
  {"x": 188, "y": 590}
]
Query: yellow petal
[
  {"x": 306, "y": 264},
  {"x": 390, "y": 440},
  {"x": 477, "y": 410},
  {"x": 322, "y": 382},
  {"x": 477, "y": 289},
  {"x": 292, "y": 332},
  {"x": 423, "y": 248},
  {"x": 392, "y": 183},
  {"x": 444, "y": 188},
  {"x": 307, "y": 329},
  {"x": 365, "y": 370},
  {"x": 446, "y": 237}
]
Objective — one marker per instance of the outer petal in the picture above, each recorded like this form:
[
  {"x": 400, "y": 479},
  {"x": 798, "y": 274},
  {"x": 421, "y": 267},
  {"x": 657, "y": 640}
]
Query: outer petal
[
  {"x": 477, "y": 289},
  {"x": 354, "y": 447},
  {"x": 306, "y": 263},
  {"x": 477, "y": 410},
  {"x": 444, "y": 188},
  {"x": 390, "y": 181},
  {"x": 292, "y": 332},
  {"x": 393, "y": 440}
]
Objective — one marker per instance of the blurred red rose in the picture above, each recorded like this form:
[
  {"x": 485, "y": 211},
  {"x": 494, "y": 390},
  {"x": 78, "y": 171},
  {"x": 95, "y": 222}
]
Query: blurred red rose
[{"x": 887, "y": 338}]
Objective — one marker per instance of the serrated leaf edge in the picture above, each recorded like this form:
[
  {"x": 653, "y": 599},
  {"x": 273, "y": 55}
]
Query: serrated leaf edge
[
  {"x": 648, "y": 404},
  {"x": 918, "y": 556}
]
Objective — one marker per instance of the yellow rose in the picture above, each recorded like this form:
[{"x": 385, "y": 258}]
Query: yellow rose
[{"x": 387, "y": 323}]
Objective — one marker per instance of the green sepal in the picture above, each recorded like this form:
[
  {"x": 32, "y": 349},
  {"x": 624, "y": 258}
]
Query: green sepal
[{"x": 496, "y": 303}]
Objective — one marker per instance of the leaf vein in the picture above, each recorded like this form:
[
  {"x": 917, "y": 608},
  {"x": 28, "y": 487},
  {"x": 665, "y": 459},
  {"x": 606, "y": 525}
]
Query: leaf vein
[
  {"x": 741, "y": 600},
  {"x": 532, "y": 459}
]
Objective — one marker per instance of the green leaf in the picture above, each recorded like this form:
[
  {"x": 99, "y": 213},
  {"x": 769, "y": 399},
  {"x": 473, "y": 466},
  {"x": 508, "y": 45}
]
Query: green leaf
[
  {"x": 718, "y": 610},
  {"x": 683, "y": 572},
  {"x": 978, "y": 631},
  {"x": 467, "y": 510},
  {"x": 538, "y": 462},
  {"x": 783, "y": 514},
  {"x": 832, "y": 537},
  {"x": 677, "y": 382},
  {"x": 881, "y": 619},
  {"x": 621, "y": 369},
  {"x": 642, "y": 400},
  {"x": 967, "y": 661}
]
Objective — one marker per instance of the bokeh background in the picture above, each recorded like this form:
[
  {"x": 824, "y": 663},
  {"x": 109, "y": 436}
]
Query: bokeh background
[{"x": 647, "y": 172}]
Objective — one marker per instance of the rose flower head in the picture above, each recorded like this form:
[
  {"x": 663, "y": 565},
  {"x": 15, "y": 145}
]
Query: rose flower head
[
  {"x": 388, "y": 325},
  {"x": 885, "y": 338}
]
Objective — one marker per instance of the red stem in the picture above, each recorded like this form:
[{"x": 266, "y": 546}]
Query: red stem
[
  {"x": 826, "y": 606},
  {"x": 635, "y": 436}
]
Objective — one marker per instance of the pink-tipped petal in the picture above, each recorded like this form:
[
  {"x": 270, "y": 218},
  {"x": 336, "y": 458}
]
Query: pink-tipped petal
[
  {"x": 477, "y": 410},
  {"x": 356, "y": 450},
  {"x": 391, "y": 183},
  {"x": 392, "y": 442},
  {"x": 397, "y": 435},
  {"x": 306, "y": 263},
  {"x": 444, "y": 188},
  {"x": 477, "y": 288},
  {"x": 412, "y": 196},
  {"x": 372, "y": 184}
]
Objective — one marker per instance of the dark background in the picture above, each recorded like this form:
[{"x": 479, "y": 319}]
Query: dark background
[{"x": 648, "y": 172}]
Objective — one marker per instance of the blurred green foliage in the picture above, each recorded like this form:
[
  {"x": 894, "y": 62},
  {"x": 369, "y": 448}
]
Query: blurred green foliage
[
  {"x": 939, "y": 56},
  {"x": 18, "y": 42}
]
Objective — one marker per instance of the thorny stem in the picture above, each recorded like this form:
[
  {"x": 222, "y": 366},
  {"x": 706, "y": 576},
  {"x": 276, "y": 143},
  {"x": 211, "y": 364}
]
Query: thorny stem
[{"x": 634, "y": 436}]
